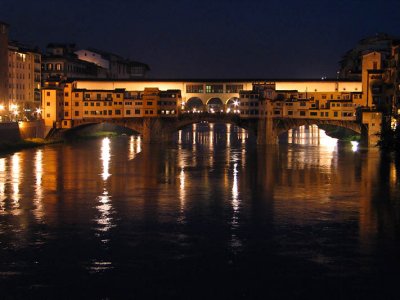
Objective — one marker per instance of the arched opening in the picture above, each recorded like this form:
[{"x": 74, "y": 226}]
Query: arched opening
[
  {"x": 194, "y": 105},
  {"x": 232, "y": 105},
  {"x": 215, "y": 105},
  {"x": 98, "y": 130}
]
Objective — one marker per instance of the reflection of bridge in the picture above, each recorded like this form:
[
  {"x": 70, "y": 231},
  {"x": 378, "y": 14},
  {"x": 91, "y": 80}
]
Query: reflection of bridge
[{"x": 266, "y": 129}]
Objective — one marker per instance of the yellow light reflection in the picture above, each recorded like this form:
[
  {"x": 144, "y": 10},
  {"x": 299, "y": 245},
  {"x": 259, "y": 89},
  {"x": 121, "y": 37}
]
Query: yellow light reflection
[
  {"x": 182, "y": 195},
  {"x": 2, "y": 183},
  {"x": 180, "y": 137},
  {"x": 105, "y": 157},
  {"x": 211, "y": 137},
  {"x": 38, "y": 185},
  {"x": 138, "y": 144},
  {"x": 243, "y": 136},
  {"x": 131, "y": 148},
  {"x": 228, "y": 135},
  {"x": 194, "y": 130}
]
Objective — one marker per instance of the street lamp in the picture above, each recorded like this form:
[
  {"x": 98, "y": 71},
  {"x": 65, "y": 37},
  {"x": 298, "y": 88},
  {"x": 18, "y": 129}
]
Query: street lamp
[{"x": 14, "y": 111}]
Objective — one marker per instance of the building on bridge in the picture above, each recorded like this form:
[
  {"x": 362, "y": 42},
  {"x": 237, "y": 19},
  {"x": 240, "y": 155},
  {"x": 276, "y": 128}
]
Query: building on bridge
[
  {"x": 271, "y": 104},
  {"x": 65, "y": 106}
]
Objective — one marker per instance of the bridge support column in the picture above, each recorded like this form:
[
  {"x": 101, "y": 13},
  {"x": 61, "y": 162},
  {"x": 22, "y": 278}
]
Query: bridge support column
[
  {"x": 156, "y": 130},
  {"x": 369, "y": 138},
  {"x": 266, "y": 134}
]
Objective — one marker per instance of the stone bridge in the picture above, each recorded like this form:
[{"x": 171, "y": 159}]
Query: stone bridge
[{"x": 267, "y": 130}]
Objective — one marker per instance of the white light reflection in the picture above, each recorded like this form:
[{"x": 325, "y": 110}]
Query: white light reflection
[
  {"x": 15, "y": 178},
  {"x": 38, "y": 212},
  {"x": 235, "y": 242},
  {"x": 105, "y": 209},
  {"x": 354, "y": 146},
  {"x": 105, "y": 157}
]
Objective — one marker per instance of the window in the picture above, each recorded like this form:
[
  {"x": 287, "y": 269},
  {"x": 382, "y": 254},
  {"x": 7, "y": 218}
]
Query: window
[
  {"x": 58, "y": 67},
  {"x": 137, "y": 111},
  {"x": 86, "y": 104},
  {"x": 302, "y": 113},
  {"x": 234, "y": 88},
  {"x": 76, "y": 95},
  {"x": 48, "y": 115},
  {"x": 66, "y": 103},
  {"x": 66, "y": 94},
  {"x": 76, "y": 103},
  {"x": 91, "y": 103},
  {"x": 214, "y": 88},
  {"x": 313, "y": 113},
  {"x": 76, "y": 113},
  {"x": 290, "y": 112},
  {"x": 98, "y": 96},
  {"x": 48, "y": 94},
  {"x": 118, "y": 95},
  {"x": 66, "y": 114},
  {"x": 48, "y": 104},
  {"x": 149, "y": 103},
  {"x": 118, "y": 112},
  {"x": 194, "y": 88},
  {"x": 97, "y": 103},
  {"x": 110, "y": 112},
  {"x": 335, "y": 113},
  {"x": 128, "y": 111}
]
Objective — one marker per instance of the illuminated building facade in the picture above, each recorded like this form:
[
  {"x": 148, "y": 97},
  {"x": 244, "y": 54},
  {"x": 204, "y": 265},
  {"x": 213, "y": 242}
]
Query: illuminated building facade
[
  {"x": 67, "y": 106},
  {"x": 23, "y": 80},
  {"x": 3, "y": 65}
]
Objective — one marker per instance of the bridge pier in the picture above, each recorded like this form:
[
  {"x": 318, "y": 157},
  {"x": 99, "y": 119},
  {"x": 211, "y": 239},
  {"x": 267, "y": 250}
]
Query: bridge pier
[
  {"x": 266, "y": 134},
  {"x": 156, "y": 130}
]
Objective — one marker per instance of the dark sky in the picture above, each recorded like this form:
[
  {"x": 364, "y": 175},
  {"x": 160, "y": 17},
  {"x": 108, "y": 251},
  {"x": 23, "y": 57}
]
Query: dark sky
[{"x": 209, "y": 38}]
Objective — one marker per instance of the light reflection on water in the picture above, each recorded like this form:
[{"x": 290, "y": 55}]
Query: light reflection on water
[{"x": 211, "y": 204}]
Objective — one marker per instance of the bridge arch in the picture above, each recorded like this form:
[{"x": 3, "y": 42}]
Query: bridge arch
[
  {"x": 233, "y": 105},
  {"x": 215, "y": 105},
  {"x": 194, "y": 104},
  {"x": 285, "y": 124}
]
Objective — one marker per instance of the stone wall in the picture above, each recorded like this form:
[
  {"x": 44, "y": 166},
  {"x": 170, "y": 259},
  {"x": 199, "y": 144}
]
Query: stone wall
[
  {"x": 32, "y": 129},
  {"x": 9, "y": 132}
]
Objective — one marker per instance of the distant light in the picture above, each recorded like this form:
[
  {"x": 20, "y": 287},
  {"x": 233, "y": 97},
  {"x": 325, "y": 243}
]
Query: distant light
[{"x": 354, "y": 146}]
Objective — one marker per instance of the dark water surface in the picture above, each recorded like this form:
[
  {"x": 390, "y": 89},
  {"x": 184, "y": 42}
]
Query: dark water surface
[{"x": 212, "y": 216}]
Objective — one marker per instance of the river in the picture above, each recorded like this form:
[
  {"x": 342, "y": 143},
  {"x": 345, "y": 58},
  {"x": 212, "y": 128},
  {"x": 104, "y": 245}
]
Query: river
[{"x": 210, "y": 216}]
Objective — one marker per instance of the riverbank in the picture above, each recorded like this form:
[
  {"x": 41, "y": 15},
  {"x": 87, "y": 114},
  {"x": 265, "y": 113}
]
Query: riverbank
[{"x": 10, "y": 147}]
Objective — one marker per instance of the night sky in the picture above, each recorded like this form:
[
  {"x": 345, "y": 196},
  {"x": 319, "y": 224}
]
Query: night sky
[{"x": 209, "y": 38}]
